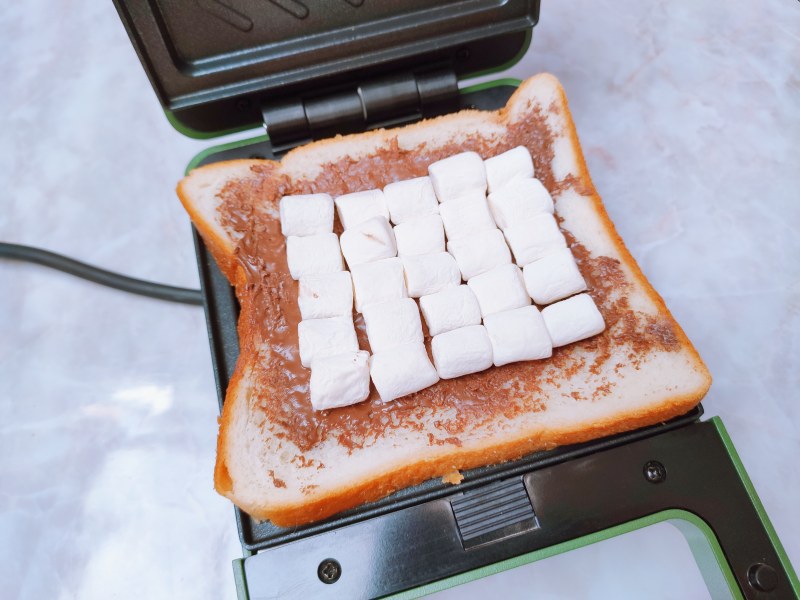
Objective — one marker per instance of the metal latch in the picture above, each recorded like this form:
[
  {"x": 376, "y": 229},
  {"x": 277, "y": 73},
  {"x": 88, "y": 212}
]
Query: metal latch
[
  {"x": 494, "y": 512},
  {"x": 381, "y": 102}
]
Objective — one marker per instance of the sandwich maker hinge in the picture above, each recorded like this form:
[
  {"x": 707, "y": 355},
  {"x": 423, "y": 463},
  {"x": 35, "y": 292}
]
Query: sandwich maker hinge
[{"x": 382, "y": 102}]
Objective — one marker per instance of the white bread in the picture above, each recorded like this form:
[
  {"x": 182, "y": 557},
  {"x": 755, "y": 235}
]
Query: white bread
[{"x": 641, "y": 370}]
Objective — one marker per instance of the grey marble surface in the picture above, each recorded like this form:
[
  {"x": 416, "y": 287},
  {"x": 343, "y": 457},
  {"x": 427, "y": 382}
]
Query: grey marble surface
[{"x": 688, "y": 115}]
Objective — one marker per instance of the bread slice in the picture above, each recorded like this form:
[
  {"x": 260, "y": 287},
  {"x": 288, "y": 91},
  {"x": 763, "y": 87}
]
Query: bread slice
[{"x": 277, "y": 460}]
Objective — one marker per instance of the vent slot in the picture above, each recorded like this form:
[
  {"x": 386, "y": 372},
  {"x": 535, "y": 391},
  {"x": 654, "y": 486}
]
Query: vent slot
[{"x": 493, "y": 512}]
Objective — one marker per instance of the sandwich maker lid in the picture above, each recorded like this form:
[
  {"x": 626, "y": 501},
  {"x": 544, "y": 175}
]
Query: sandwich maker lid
[{"x": 214, "y": 63}]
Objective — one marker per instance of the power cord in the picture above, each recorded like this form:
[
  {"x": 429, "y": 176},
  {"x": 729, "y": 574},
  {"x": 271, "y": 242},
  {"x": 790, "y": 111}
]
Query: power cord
[{"x": 101, "y": 276}]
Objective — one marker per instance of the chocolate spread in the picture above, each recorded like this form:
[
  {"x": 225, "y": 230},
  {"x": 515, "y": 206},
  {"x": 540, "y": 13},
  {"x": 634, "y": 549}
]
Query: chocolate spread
[{"x": 270, "y": 311}]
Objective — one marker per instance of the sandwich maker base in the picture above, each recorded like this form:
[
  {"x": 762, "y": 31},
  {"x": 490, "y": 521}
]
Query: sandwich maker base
[{"x": 434, "y": 535}]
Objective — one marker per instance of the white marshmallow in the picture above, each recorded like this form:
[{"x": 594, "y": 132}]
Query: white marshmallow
[
  {"x": 466, "y": 216},
  {"x": 517, "y": 335},
  {"x": 553, "y": 277},
  {"x": 429, "y": 273},
  {"x": 325, "y": 337},
  {"x": 339, "y": 380},
  {"x": 391, "y": 324},
  {"x": 358, "y": 207},
  {"x": 410, "y": 199},
  {"x": 379, "y": 281},
  {"x": 480, "y": 252},
  {"x": 499, "y": 289},
  {"x": 326, "y": 295},
  {"x": 519, "y": 200},
  {"x": 573, "y": 319},
  {"x": 368, "y": 241},
  {"x": 535, "y": 238},
  {"x": 420, "y": 236},
  {"x": 509, "y": 165},
  {"x": 450, "y": 309},
  {"x": 306, "y": 214},
  {"x": 461, "y": 351},
  {"x": 313, "y": 254},
  {"x": 471, "y": 195},
  {"x": 457, "y": 176},
  {"x": 402, "y": 371}
]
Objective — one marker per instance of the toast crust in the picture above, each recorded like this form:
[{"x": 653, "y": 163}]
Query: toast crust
[
  {"x": 332, "y": 500},
  {"x": 345, "y": 498}
]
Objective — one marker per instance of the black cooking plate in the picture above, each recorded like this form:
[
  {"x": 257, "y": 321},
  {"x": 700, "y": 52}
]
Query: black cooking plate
[{"x": 222, "y": 312}]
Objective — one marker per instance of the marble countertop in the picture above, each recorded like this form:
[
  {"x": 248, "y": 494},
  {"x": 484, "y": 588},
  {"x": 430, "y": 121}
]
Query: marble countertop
[{"x": 688, "y": 115}]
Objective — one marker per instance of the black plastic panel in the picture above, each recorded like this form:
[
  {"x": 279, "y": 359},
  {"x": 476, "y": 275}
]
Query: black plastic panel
[
  {"x": 213, "y": 62},
  {"x": 574, "y": 498}
]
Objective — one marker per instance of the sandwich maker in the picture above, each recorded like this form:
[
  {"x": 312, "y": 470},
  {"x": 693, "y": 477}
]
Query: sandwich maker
[{"x": 309, "y": 69}]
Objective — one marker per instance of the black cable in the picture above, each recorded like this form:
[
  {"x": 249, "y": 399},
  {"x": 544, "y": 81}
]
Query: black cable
[{"x": 101, "y": 276}]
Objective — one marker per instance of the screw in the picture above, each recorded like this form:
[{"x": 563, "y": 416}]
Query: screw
[
  {"x": 463, "y": 54},
  {"x": 329, "y": 571},
  {"x": 242, "y": 104},
  {"x": 655, "y": 472},
  {"x": 762, "y": 577}
]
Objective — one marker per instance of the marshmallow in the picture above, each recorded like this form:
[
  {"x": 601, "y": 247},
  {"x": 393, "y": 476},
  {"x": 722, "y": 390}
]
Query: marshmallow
[
  {"x": 429, "y": 273},
  {"x": 339, "y": 380},
  {"x": 313, "y": 254},
  {"x": 466, "y": 216},
  {"x": 306, "y": 214},
  {"x": 458, "y": 175},
  {"x": 535, "y": 238},
  {"x": 519, "y": 200},
  {"x": 553, "y": 277},
  {"x": 574, "y": 319},
  {"x": 450, "y": 309},
  {"x": 501, "y": 169},
  {"x": 379, "y": 281},
  {"x": 499, "y": 289},
  {"x": 479, "y": 252},
  {"x": 326, "y": 295},
  {"x": 368, "y": 241},
  {"x": 420, "y": 236},
  {"x": 402, "y": 371},
  {"x": 325, "y": 337},
  {"x": 360, "y": 206},
  {"x": 391, "y": 324},
  {"x": 461, "y": 351},
  {"x": 410, "y": 199},
  {"x": 517, "y": 335}
]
